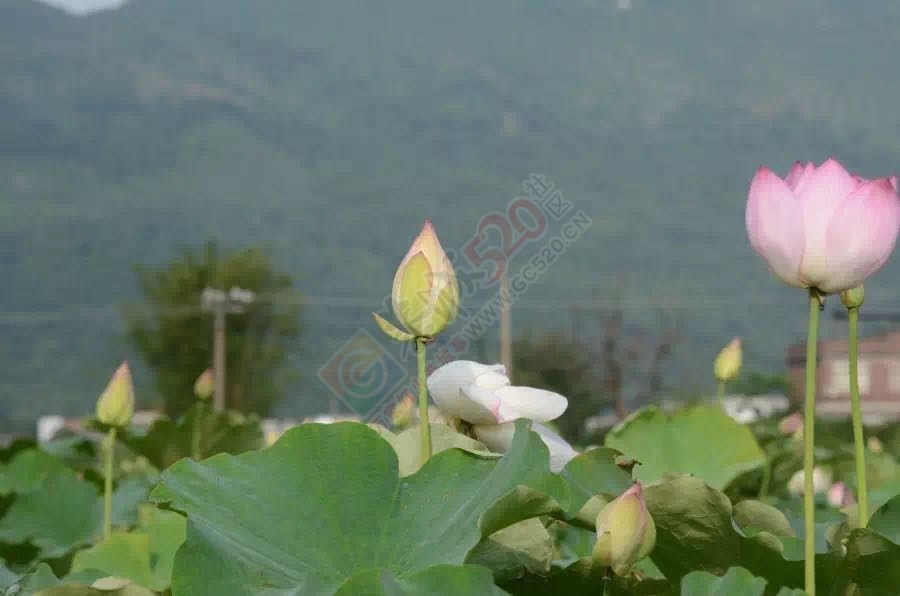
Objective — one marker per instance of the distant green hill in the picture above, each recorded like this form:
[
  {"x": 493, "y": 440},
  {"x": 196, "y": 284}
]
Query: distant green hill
[{"x": 327, "y": 131}]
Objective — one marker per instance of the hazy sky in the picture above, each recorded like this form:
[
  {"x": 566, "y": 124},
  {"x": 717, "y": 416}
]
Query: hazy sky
[{"x": 84, "y": 6}]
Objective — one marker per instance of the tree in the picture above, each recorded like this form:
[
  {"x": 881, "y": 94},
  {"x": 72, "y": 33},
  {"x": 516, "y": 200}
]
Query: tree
[
  {"x": 598, "y": 372},
  {"x": 174, "y": 336},
  {"x": 560, "y": 363}
]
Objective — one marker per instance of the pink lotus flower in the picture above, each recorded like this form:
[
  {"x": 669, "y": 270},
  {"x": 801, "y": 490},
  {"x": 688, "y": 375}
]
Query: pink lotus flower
[{"x": 822, "y": 227}]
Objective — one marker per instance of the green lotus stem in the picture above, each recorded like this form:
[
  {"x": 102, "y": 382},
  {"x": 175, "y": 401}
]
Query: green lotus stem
[
  {"x": 859, "y": 446},
  {"x": 809, "y": 503},
  {"x": 195, "y": 433},
  {"x": 424, "y": 425},
  {"x": 766, "y": 479},
  {"x": 108, "y": 455},
  {"x": 720, "y": 391}
]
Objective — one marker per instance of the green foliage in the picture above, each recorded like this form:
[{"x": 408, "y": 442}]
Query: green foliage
[
  {"x": 167, "y": 441},
  {"x": 701, "y": 440},
  {"x": 176, "y": 339},
  {"x": 144, "y": 555},
  {"x": 736, "y": 582},
  {"x": 758, "y": 383},
  {"x": 340, "y": 486}
]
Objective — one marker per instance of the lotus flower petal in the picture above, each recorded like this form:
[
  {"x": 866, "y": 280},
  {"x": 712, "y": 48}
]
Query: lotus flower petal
[
  {"x": 819, "y": 198},
  {"x": 861, "y": 235},
  {"x": 799, "y": 176},
  {"x": 464, "y": 389},
  {"x": 775, "y": 225},
  {"x": 498, "y": 438},
  {"x": 538, "y": 405}
]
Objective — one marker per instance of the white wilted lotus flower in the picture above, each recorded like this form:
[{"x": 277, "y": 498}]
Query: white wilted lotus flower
[{"x": 482, "y": 395}]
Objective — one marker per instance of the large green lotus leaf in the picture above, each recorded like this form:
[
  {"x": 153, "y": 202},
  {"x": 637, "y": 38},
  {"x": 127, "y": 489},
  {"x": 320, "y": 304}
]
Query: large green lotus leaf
[
  {"x": 27, "y": 470},
  {"x": 129, "y": 495},
  {"x": 696, "y": 530},
  {"x": 168, "y": 441},
  {"x": 737, "y": 581},
  {"x": 702, "y": 440},
  {"x": 872, "y": 564},
  {"x": 886, "y": 520},
  {"x": 144, "y": 556},
  {"x": 85, "y": 584},
  {"x": 525, "y": 547},
  {"x": 595, "y": 472},
  {"x": 441, "y": 580},
  {"x": 63, "y": 513},
  {"x": 79, "y": 590},
  {"x": 326, "y": 502},
  {"x": 408, "y": 446},
  {"x": 583, "y": 578}
]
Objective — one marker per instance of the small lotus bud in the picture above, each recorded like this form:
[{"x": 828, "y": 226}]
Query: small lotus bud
[
  {"x": 205, "y": 384},
  {"x": 403, "y": 411},
  {"x": 728, "y": 363},
  {"x": 625, "y": 532},
  {"x": 425, "y": 295},
  {"x": 854, "y": 297},
  {"x": 874, "y": 444},
  {"x": 790, "y": 425},
  {"x": 116, "y": 405}
]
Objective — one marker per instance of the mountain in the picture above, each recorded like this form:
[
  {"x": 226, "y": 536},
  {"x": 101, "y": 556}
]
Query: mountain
[{"x": 327, "y": 131}]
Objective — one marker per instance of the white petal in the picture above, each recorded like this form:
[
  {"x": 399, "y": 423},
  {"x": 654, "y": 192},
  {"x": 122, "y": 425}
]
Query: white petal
[
  {"x": 445, "y": 384},
  {"x": 527, "y": 402},
  {"x": 493, "y": 379},
  {"x": 496, "y": 437},
  {"x": 560, "y": 450},
  {"x": 475, "y": 405},
  {"x": 499, "y": 437}
]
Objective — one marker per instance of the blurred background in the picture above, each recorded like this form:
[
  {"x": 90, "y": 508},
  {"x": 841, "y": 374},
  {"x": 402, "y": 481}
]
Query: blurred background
[{"x": 151, "y": 149}]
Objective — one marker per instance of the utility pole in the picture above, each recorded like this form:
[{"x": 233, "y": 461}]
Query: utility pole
[
  {"x": 506, "y": 357},
  {"x": 220, "y": 304}
]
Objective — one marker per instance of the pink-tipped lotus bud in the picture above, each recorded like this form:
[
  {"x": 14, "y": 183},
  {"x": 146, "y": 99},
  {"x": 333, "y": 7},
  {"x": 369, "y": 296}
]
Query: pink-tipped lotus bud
[
  {"x": 625, "y": 532},
  {"x": 425, "y": 295},
  {"x": 790, "y": 425},
  {"x": 116, "y": 404},
  {"x": 728, "y": 363},
  {"x": 205, "y": 384},
  {"x": 854, "y": 297}
]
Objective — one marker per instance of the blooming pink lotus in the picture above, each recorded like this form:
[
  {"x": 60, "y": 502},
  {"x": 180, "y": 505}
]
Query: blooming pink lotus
[{"x": 821, "y": 227}]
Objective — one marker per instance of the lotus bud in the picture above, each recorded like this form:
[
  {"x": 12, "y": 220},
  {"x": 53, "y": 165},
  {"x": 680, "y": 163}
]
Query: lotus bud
[
  {"x": 791, "y": 425},
  {"x": 854, "y": 297},
  {"x": 425, "y": 295},
  {"x": 728, "y": 363},
  {"x": 875, "y": 445},
  {"x": 403, "y": 411},
  {"x": 205, "y": 384},
  {"x": 625, "y": 532},
  {"x": 116, "y": 404}
]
